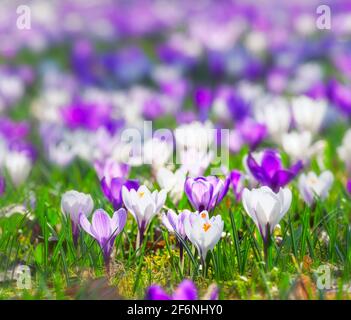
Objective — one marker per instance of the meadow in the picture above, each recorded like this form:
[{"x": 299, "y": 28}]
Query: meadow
[{"x": 250, "y": 196}]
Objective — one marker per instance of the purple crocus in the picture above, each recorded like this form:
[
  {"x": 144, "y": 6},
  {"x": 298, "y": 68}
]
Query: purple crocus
[
  {"x": 110, "y": 169},
  {"x": 252, "y": 132},
  {"x": 185, "y": 291},
  {"x": 340, "y": 96},
  {"x": 175, "y": 224},
  {"x": 237, "y": 181},
  {"x": 266, "y": 167},
  {"x": 348, "y": 186},
  {"x": 112, "y": 189},
  {"x": 205, "y": 193},
  {"x": 203, "y": 100},
  {"x": 105, "y": 229},
  {"x": 2, "y": 185},
  {"x": 89, "y": 116}
]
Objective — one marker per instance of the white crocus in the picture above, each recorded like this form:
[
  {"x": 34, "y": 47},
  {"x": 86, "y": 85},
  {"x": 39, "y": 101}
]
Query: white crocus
[
  {"x": 275, "y": 114},
  {"x": 157, "y": 153},
  {"x": 173, "y": 183},
  {"x": 266, "y": 208},
  {"x": 308, "y": 113},
  {"x": 18, "y": 166},
  {"x": 203, "y": 232},
  {"x": 344, "y": 151},
  {"x": 299, "y": 146},
  {"x": 311, "y": 186},
  {"x": 143, "y": 205},
  {"x": 73, "y": 203}
]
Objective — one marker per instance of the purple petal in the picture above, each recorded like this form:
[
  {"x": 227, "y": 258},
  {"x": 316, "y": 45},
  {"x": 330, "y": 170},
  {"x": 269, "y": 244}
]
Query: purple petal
[
  {"x": 132, "y": 184},
  {"x": 155, "y": 292},
  {"x": 296, "y": 168},
  {"x": 2, "y": 185},
  {"x": 118, "y": 221},
  {"x": 271, "y": 162},
  {"x": 85, "y": 224},
  {"x": 101, "y": 226},
  {"x": 281, "y": 178},
  {"x": 257, "y": 171},
  {"x": 348, "y": 186},
  {"x": 185, "y": 291}
]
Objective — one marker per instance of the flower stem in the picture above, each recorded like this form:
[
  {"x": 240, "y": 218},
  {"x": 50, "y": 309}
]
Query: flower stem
[{"x": 181, "y": 256}]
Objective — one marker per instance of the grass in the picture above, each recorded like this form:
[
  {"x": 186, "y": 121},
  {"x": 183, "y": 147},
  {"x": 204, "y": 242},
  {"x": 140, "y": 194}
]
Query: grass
[
  {"x": 39, "y": 236},
  {"x": 44, "y": 243}
]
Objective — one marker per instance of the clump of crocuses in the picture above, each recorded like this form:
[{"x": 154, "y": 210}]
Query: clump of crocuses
[
  {"x": 104, "y": 230},
  {"x": 205, "y": 193}
]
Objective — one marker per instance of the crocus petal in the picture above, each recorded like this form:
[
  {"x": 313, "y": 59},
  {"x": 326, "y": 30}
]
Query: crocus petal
[
  {"x": 258, "y": 173},
  {"x": 118, "y": 221},
  {"x": 348, "y": 186},
  {"x": 155, "y": 292},
  {"x": 85, "y": 224},
  {"x": 101, "y": 226},
  {"x": 185, "y": 291},
  {"x": 271, "y": 162}
]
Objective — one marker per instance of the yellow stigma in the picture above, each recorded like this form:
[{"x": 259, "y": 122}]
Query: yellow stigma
[
  {"x": 206, "y": 226},
  {"x": 141, "y": 194},
  {"x": 203, "y": 215}
]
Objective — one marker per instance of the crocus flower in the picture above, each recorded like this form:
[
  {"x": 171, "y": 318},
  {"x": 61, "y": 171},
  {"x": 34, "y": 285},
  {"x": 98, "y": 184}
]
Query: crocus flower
[
  {"x": 143, "y": 205},
  {"x": 311, "y": 186},
  {"x": 251, "y": 132},
  {"x": 173, "y": 183},
  {"x": 175, "y": 223},
  {"x": 348, "y": 186},
  {"x": 340, "y": 96},
  {"x": 266, "y": 208},
  {"x": 275, "y": 114},
  {"x": 203, "y": 97},
  {"x": 308, "y": 113},
  {"x": 18, "y": 165},
  {"x": 237, "y": 182},
  {"x": 104, "y": 229},
  {"x": 85, "y": 115},
  {"x": 112, "y": 189},
  {"x": 203, "y": 232},
  {"x": 266, "y": 167},
  {"x": 205, "y": 193},
  {"x": 74, "y": 203},
  {"x": 344, "y": 151},
  {"x": 110, "y": 168},
  {"x": 299, "y": 146},
  {"x": 185, "y": 291},
  {"x": 2, "y": 185}
]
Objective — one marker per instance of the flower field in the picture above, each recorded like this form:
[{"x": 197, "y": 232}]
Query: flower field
[{"x": 175, "y": 150}]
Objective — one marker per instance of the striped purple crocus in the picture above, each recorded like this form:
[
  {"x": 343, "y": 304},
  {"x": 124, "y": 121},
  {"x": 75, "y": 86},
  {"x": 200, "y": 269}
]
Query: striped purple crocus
[
  {"x": 205, "y": 193},
  {"x": 267, "y": 168},
  {"x": 185, "y": 291},
  {"x": 104, "y": 229}
]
